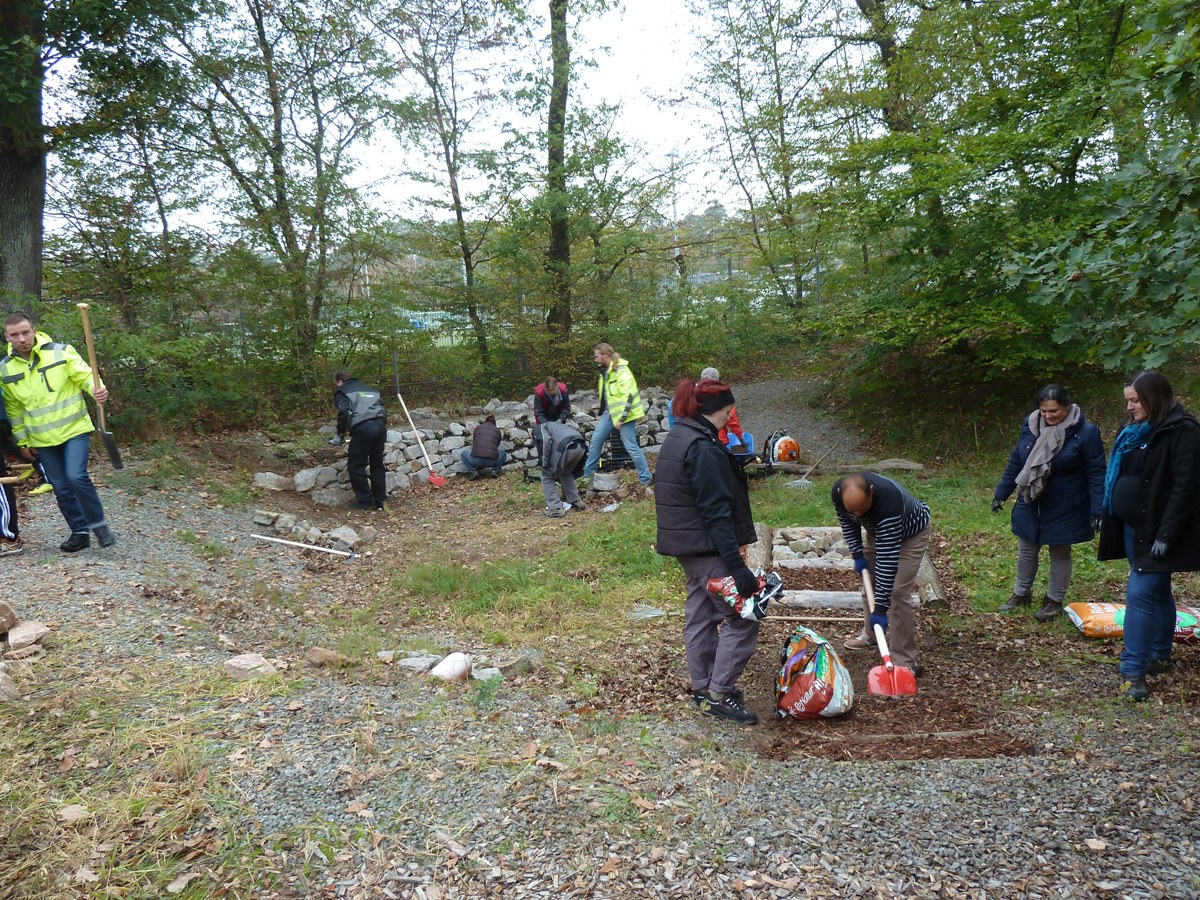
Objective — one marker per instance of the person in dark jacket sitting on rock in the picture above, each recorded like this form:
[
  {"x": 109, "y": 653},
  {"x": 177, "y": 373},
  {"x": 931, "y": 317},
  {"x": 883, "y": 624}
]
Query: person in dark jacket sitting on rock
[
  {"x": 1057, "y": 468},
  {"x": 362, "y": 416},
  {"x": 702, "y": 503},
  {"x": 1152, "y": 518},
  {"x": 485, "y": 451}
]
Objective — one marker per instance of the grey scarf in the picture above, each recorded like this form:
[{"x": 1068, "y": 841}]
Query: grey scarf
[{"x": 1050, "y": 439}]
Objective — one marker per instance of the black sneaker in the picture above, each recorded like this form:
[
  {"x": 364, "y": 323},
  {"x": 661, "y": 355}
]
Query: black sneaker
[
  {"x": 472, "y": 476},
  {"x": 1160, "y": 666},
  {"x": 76, "y": 542},
  {"x": 731, "y": 709},
  {"x": 358, "y": 504},
  {"x": 104, "y": 536},
  {"x": 1049, "y": 610},
  {"x": 698, "y": 697},
  {"x": 1016, "y": 601}
]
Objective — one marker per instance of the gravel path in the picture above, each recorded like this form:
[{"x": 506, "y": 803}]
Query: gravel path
[
  {"x": 373, "y": 782},
  {"x": 795, "y": 406}
]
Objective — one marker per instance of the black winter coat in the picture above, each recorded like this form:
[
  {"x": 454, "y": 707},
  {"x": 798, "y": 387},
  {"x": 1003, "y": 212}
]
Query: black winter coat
[
  {"x": 1072, "y": 494},
  {"x": 701, "y": 498},
  {"x": 1168, "y": 500}
]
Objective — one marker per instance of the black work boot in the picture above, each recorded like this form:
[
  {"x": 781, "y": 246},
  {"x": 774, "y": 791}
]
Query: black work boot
[
  {"x": 76, "y": 542},
  {"x": 1159, "y": 666},
  {"x": 1049, "y": 610},
  {"x": 1016, "y": 601},
  {"x": 104, "y": 536},
  {"x": 1135, "y": 688}
]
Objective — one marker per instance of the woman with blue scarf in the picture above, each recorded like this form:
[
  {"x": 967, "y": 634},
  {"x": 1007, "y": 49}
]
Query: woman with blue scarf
[{"x": 1152, "y": 518}]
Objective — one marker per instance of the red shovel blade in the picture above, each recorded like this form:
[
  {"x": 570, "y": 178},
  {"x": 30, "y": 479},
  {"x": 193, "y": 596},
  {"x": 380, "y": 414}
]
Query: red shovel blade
[
  {"x": 436, "y": 480},
  {"x": 889, "y": 679},
  {"x": 897, "y": 682}
]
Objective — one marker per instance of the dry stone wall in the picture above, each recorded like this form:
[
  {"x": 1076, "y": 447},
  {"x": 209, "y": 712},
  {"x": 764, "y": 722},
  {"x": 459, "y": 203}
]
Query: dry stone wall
[{"x": 446, "y": 437}]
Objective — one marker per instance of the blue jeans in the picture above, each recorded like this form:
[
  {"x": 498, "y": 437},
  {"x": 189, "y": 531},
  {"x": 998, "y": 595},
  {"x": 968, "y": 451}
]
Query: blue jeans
[
  {"x": 604, "y": 427},
  {"x": 66, "y": 468},
  {"x": 474, "y": 463},
  {"x": 1149, "y": 616}
]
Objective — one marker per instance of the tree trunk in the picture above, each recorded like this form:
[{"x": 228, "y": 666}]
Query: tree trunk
[
  {"x": 558, "y": 255},
  {"x": 22, "y": 153}
]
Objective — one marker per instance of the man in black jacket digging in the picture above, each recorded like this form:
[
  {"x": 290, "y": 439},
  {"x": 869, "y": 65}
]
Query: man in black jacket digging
[{"x": 362, "y": 416}]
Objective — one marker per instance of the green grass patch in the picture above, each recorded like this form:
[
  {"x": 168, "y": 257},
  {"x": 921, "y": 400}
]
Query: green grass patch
[{"x": 205, "y": 546}]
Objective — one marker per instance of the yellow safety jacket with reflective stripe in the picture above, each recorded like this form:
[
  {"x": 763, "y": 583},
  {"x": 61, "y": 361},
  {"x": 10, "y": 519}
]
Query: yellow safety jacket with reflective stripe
[
  {"x": 43, "y": 395},
  {"x": 620, "y": 391}
]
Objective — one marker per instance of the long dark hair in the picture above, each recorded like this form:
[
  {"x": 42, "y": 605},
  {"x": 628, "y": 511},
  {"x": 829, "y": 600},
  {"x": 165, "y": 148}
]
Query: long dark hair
[{"x": 1155, "y": 394}]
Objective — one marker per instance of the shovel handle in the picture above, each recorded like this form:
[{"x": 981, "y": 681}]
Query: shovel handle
[
  {"x": 91, "y": 349},
  {"x": 884, "y": 652}
]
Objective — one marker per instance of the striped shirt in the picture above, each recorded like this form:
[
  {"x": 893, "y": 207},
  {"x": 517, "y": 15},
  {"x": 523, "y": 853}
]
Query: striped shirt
[{"x": 894, "y": 517}]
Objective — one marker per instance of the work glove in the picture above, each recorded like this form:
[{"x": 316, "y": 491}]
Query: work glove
[
  {"x": 861, "y": 565},
  {"x": 746, "y": 581},
  {"x": 336, "y": 440},
  {"x": 879, "y": 617},
  {"x": 1095, "y": 523},
  {"x": 997, "y": 504},
  {"x": 1159, "y": 550}
]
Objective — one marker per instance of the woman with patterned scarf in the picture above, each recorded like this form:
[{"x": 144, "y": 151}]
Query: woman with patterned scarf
[
  {"x": 1152, "y": 519},
  {"x": 1057, "y": 467}
]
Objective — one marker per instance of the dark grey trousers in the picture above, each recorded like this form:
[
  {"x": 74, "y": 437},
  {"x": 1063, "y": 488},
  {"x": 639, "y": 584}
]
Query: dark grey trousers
[{"x": 719, "y": 642}]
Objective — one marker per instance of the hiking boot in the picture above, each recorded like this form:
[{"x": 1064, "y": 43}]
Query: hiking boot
[
  {"x": 1135, "y": 688},
  {"x": 76, "y": 542},
  {"x": 579, "y": 505},
  {"x": 472, "y": 476},
  {"x": 104, "y": 536},
  {"x": 730, "y": 709},
  {"x": 858, "y": 642},
  {"x": 1160, "y": 666},
  {"x": 1049, "y": 610},
  {"x": 42, "y": 489},
  {"x": 12, "y": 548},
  {"x": 1015, "y": 601},
  {"x": 359, "y": 504},
  {"x": 555, "y": 513}
]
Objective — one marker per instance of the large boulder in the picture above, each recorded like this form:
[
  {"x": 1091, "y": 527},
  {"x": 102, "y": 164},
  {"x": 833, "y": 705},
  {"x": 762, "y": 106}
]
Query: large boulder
[
  {"x": 331, "y": 496},
  {"x": 273, "y": 482}
]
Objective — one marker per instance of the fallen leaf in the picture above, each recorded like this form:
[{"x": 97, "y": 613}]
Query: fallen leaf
[
  {"x": 179, "y": 882},
  {"x": 642, "y": 803},
  {"x": 356, "y": 807},
  {"x": 610, "y": 865},
  {"x": 86, "y": 876},
  {"x": 550, "y": 763},
  {"x": 1095, "y": 844},
  {"x": 74, "y": 813}
]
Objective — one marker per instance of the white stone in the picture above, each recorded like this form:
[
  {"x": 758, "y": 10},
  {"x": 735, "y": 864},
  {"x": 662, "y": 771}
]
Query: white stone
[
  {"x": 394, "y": 437},
  {"x": 413, "y": 452},
  {"x": 26, "y": 634},
  {"x": 604, "y": 482},
  {"x": 485, "y": 674},
  {"x": 273, "y": 482},
  {"x": 454, "y": 667},
  {"x": 386, "y": 656},
  {"x": 421, "y": 663},
  {"x": 305, "y": 479},
  {"x": 345, "y": 534},
  {"x": 261, "y": 517},
  {"x": 248, "y": 666},
  {"x": 330, "y": 496},
  {"x": 285, "y": 522},
  {"x": 457, "y": 430},
  {"x": 452, "y": 443}
]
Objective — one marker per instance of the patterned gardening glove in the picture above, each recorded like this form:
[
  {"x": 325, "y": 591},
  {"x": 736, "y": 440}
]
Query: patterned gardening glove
[{"x": 336, "y": 440}]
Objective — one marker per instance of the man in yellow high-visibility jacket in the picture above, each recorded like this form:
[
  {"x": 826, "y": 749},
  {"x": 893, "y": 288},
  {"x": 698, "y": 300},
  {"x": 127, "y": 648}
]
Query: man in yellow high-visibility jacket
[
  {"x": 43, "y": 383},
  {"x": 621, "y": 408}
]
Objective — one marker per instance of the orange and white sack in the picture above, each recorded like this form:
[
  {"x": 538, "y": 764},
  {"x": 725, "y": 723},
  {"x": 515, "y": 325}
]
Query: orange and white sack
[
  {"x": 1108, "y": 620},
  {"x": 812, "y": 680}
]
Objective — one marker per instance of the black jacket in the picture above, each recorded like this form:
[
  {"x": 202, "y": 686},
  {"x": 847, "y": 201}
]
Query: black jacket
[
  {"x": 1168, "y": 499},
  {"x": 355, "y": 404},
  {"x": 485, "y": 441},
  {"x": 701, "y": 498},
  {"x": 1073, "y": 493}
]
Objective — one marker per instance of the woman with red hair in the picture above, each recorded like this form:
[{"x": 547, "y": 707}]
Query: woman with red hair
[{"x": 702, "y": 502}]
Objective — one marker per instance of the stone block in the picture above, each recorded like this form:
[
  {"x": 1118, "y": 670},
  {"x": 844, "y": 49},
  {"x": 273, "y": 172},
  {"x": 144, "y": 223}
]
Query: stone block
[{"x": 248, "y": 666}]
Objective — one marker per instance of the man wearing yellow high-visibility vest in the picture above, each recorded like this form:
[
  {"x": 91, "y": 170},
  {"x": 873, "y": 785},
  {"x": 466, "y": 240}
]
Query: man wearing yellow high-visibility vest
[{"x": 43, "y": 383}]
